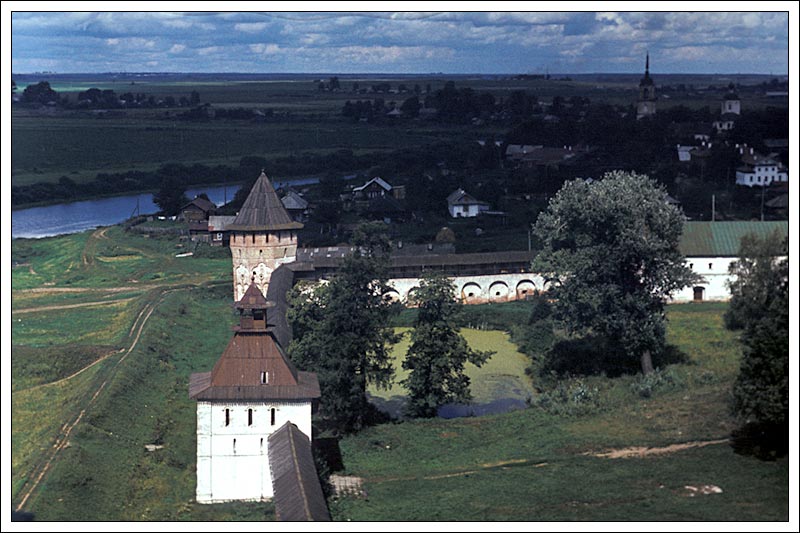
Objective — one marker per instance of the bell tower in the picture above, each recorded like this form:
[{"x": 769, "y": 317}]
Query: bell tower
[
  {"x": 646, "y": 106},
  {"x": 263, "y": 237}
]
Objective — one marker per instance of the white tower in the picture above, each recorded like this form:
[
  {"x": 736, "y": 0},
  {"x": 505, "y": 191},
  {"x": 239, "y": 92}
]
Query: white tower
[
  {"x": 252, "y": 391},
  {"x": 731, "y": 102}
]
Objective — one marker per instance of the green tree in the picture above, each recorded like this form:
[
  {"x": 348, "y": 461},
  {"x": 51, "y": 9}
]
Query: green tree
[
  {"x": 438, "y": 352},
  {"x": 171, "y": 196},
  {"x": 612, "y": 248},
  {"x": 341, "y": 332},
  {"x": 40, "y": 93},
  {"x": 760, "y": 306}
]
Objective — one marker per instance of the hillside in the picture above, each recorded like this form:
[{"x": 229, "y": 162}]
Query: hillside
[{"x": 107, "y": 326}]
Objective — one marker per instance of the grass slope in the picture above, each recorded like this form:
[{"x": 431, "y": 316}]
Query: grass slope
[{"x": 533, "y": 465}]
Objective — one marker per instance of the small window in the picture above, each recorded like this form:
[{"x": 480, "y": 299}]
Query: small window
[
  {"x": 264, "y": 378},
  {"x": 709, "y": 266},
  {"x": 227, "y": 417},
  {"x": 272, "y": 416},
  {"x": 691, "y": 265},
  {"x": 249, "y": 417},
  {"x": 261, "y": 446},
  {"x": 234, "y": 445}
]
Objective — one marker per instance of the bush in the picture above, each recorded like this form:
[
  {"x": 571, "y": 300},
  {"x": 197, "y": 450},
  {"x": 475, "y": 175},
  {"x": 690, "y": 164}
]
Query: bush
[
  {"x": 647, "y": 384},
  {"x": 568, "y": 398}
]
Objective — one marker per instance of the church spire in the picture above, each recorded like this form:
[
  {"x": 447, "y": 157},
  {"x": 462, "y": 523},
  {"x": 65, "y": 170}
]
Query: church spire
[{"x": 647, "y": 64}]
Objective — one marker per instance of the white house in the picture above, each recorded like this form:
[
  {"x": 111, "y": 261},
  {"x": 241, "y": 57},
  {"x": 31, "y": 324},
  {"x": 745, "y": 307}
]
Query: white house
[
  {"x": 252, "y": 391},
  {"x": 461, "y": 204},
  {"x": 759, "y": 170},
  {"x": 710, "y": 248}
]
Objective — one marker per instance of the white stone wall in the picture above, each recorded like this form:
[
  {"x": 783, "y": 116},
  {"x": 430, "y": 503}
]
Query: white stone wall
[
  {"x": 232, "y": 461},
  {"x": 480, "y": 289},
  {"x": 518, "y": 286},
  {"x": 714, "y": 271}
]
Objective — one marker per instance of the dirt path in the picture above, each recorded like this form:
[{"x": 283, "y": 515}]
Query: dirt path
[
  {"x": 68, "y": 306},
  {"x": 63, "y": 439},
  {"x": 354, "y": 483},
  {"x": 87, "y": 255},
  {"x": 643, "y": 451}
]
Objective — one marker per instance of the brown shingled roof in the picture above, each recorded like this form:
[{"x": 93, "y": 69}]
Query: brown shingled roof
[
  {"x": 237, "y": 374},
  {"x": 298, "y": 494},
  {"x": 253, "y": 299},
  {"x": 263, "y": 210}
]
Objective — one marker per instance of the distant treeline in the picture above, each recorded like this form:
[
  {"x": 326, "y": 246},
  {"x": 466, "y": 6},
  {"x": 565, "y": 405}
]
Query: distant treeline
[
  {"x": 42, "y": 94},
  {"x": 67, "y": 189}
]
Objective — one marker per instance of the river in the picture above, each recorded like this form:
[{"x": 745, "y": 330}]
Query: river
[{"x": 74, "y": 217}]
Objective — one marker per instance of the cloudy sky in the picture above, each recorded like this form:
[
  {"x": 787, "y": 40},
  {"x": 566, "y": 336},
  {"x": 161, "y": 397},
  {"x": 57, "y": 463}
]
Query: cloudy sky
[{"x": 400, "y": 42}]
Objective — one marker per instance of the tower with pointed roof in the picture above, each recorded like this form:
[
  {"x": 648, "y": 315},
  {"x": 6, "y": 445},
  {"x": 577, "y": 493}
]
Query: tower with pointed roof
[
  {"x": 252, "y": 391},
  {"x": 263, "y": 236},
  {"x": 646, "y": 105}
]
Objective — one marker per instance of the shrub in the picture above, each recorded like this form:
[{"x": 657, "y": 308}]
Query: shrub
[
  {"x": 568, "y": 398},
  {"x": 658, "y": 380}
]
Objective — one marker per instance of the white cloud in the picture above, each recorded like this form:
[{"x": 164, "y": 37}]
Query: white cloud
[
  {"x": 251, "y": 27},
  {"x": 265, "y": 49},
  {"x": 177, "y": 48},
  {"x": 208, "y": 50},
  {"x": 112, "y": 42}
]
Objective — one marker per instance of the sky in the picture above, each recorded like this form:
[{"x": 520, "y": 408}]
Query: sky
[{"x": 400, "y": 42}]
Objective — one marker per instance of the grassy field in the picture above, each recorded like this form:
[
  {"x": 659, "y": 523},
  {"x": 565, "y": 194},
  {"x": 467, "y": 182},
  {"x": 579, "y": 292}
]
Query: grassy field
[{"x": 536, "y": 465}]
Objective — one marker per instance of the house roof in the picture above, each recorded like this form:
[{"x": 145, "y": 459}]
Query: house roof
[
  {"x": 220, "y": 222},
  {"x": 200, "y": 203},
  {"x": 722, "y": 239},
  {"x": 461, "y": 197},
  {"x": 292, "y": 200},
  {"x": 263, "y": 210},
  {"x": 379, "y": 181},
  {"x": 779, "y": 202},
  {"x": 297, "y": 492}
]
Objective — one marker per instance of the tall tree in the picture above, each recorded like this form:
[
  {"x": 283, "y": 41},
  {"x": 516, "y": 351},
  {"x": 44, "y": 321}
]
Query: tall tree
[
  {"x": 613, "y": 247},
  {"x": 341, "y": 332},
  {"x": 438, "y": 352},
  {"x": 171, "y": 196},
  {"x": 760, "y": 306}
]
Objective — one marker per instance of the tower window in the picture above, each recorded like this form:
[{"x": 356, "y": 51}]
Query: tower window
[
  {"x": 264, "y": 378},
  {"x": 227, "y": 417},
  {"x": 249, "y": 417},
  {"x": 234, "y": 445},
  {"x": 261, "y": 446},
  {"x": 272, "y": 416}
]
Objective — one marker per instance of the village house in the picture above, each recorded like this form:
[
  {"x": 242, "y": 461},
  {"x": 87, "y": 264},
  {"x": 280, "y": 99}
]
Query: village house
[
  {"x": 195, "y": 214},
  {"x": 295, "y": 205},
  {"x": 218, "y": 229},
  {"x": 759, "y": 170},
  {"x": 461, "y": 204}
]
